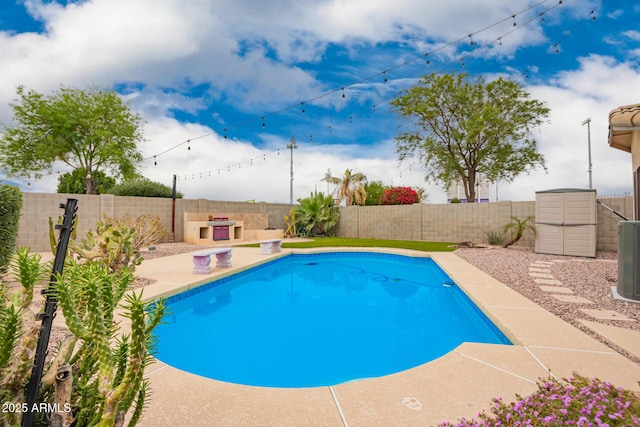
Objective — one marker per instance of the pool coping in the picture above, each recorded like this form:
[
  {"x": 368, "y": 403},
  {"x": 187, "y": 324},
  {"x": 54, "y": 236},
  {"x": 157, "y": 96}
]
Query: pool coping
[{"x": 458, "y": 384}]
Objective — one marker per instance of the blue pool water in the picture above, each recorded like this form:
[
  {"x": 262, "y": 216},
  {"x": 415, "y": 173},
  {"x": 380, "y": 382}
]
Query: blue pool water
[{"x": 320, "y": 319}]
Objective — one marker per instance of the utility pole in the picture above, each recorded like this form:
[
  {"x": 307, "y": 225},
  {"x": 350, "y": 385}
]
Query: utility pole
[
  {"x": 291, "y": 146},
  {"x": 588, "y": 123}
]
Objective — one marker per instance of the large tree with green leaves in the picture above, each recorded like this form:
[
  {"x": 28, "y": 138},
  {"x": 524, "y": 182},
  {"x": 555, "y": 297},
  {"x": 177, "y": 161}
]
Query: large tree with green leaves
[
  {"x": 89, "y": 129},
  {"x": 463, "y": 128}
]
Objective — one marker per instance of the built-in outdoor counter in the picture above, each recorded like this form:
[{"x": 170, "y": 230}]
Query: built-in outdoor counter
[
  {"x": 203, "y": 232},
  {"x": 209, "y": 227}
]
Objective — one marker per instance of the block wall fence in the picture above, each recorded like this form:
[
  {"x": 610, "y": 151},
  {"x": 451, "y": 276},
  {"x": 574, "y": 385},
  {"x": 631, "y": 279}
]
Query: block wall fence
[
  {"x": 464, "y": 222},
  {"x": 428, "y": 222}
]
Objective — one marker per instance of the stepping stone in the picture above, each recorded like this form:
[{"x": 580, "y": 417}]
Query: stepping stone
[
  {"x": 606, "y": 314},
  {"x": 547, "y": 281},
  {"x": 541, "y": 263},
  {"x": 539, "y": 270},
  {"x": 541, "y": 275},
  {"x": 572, "y": 299},
  {"x": 559, "y": 289}
]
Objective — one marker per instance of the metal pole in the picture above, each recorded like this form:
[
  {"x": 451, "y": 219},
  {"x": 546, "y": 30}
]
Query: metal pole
[
  {"x": 293, "y": 145},
  {"x": 173, "y": 207},
  {"x": 588, "y": 123},
  {"x": 70, "y": 209},
  {"x": 326, "y": 177}
]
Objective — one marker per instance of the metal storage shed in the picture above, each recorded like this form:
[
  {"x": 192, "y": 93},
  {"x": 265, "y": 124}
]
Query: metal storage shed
[{"x": 566, "y": 222}]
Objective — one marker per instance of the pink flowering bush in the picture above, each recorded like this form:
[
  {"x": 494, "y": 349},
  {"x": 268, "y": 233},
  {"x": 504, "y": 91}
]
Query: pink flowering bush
[
  {"x": 399, "y": 196},
  {"x": 579, "y": 401}
]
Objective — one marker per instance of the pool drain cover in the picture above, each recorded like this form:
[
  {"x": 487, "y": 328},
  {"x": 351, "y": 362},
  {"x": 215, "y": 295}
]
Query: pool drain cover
[{"x": 412, "y": 403}]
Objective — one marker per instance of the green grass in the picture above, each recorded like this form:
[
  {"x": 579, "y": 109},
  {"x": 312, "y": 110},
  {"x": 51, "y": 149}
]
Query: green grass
[{"x": 319, "y": 242}]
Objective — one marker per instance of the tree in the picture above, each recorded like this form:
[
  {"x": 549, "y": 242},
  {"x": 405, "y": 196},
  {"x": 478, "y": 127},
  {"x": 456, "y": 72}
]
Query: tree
[
  {"x": 399, "y": 196},
  {"x": 143, "y": 187},
  {"x": 517, "y": 227},
  {"x": 74, "y": 182},
  {"x": 374, "y": 190},
  {"x": 90, "y": 129},
  {"x": 466, "y": 128},
  {"x": 350, "y": 188}
]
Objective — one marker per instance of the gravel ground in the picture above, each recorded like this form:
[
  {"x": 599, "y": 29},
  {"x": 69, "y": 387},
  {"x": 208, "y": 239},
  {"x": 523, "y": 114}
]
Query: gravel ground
[{"x": 586, "y": 277}]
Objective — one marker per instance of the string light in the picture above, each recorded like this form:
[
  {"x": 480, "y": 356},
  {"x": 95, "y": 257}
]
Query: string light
[{"x": 468, "y": 37}]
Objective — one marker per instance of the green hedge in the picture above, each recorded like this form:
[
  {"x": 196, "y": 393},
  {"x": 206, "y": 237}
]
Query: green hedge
[
  {"x": 142, "y": 187},
  {"x": 10, "y": 207}
]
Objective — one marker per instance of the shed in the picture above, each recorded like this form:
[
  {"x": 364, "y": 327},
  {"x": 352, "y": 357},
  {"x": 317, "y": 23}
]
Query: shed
[{"x": 566, "y": 222}]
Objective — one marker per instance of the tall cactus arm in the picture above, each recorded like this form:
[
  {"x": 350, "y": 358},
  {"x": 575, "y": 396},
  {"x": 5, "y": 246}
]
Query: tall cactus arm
[
  {"x": 9, "y": 322},
  {"x": 75, "y": 324},
  {"x": 27, "y": 269}
]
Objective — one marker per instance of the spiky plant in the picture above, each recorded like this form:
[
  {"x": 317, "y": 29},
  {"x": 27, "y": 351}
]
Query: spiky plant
[
  {"x": 110, "y": 366},
  {"x": 516, "y": 228},
  {"x": 110, "y": 244},
  {"x": 18, "y": 330}
]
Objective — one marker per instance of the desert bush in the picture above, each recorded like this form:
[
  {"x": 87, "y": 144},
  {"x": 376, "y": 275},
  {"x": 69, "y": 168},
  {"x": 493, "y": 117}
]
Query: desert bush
[
  {"x": 149, "y": 229},
  {"x": 495, "y": 238},
  {"x": 10, "y": 207},
  {"x": 399, "y": 196},
  {"x": 578, "y": 401},
  {"x": 142, "y": 187}
]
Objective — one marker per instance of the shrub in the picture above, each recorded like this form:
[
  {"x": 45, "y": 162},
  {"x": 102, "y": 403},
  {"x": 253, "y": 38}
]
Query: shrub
[
  {"x": 578, "y": 401},
  {"x": 10, "y": 207},
  {"x": 149, "y": 228},
  {"x": 455, "y": 200},
  {"x": 399, "y": 196},
  {"x": 495, "y": 238},
  {"x": 142, "y": 187}
]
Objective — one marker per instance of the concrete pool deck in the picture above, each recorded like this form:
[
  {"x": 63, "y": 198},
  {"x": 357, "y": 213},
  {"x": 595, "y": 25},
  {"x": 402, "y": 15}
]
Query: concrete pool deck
[{"x": 458, "y": 384}]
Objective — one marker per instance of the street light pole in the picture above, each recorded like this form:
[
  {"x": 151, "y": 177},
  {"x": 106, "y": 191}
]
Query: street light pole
[
  {"x": 293, "y": 145},
  {"x": 588, "y": 123}
]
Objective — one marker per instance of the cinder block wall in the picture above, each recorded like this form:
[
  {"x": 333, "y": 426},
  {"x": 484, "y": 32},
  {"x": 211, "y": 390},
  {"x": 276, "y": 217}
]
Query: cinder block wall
[
  {"x": 464, "y": 222},
  {"x": 38, "y": 207},
  {"x": 607, "y": 228},
  {"x": 427, "y": 222}
]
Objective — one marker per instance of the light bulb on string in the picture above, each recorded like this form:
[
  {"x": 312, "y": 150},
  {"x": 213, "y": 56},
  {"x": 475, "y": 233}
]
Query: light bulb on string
[
  {"x": 542, "y": 17},
  {"x": 225, "y": 133},
  {"x": 239, "y": 166},
  {"x": 189, "y": 144},
  {"x": 593, "y": 15},
  {"x": 343, "y": 95},
  {"x": 228, "y": 168},
  {"x": 514, "y": 20},
  {"x": 302, "y": 104},
  {"x": 310, "y": 138},
  {"x": 470, "y": 40},
  {"x": 557, "y": 48},
  {"x": 155, "y": 163},
  {"x": 330, "y": 130},
  {"x": 350, "y": 119},
  {"x": 385, "y": 76},
  {"x": 374, "y": 108},
  {"x": 500, "y": 40},
  {"x": 263, "y": 123},
  {"x": 218, "y": 171},
  {"x": 427, "y": 56}
]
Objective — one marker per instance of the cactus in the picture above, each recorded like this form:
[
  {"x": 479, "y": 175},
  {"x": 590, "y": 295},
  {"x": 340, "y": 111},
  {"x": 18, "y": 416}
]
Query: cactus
[
  {"x": 18, "y": 331},
  {"x": 111, "y": 375},
  {"x": 111, "y": 244},
  {"x": 53, "y": 241}
]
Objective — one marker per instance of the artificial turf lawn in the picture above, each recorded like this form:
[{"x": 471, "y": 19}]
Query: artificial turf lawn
[{"x": 319, "y": 242}]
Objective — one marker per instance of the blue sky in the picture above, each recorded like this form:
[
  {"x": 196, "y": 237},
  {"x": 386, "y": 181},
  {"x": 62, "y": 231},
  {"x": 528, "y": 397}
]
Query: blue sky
[{"x": 234, "y": 77}]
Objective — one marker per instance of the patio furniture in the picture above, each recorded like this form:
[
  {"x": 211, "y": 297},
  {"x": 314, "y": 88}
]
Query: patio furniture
[
  {"x": 267, "y": 247},
  {"x": 202, "y": 259}
]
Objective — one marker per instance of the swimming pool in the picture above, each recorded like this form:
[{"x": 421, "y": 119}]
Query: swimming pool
[{"x": 306, "y": 320}]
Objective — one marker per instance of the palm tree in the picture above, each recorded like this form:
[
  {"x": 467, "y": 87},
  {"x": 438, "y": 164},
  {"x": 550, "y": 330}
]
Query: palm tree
[
  {"x": 350, "y": 188},
  {"x": 316, "y": 215},
  {"x": 517, "y": 228}
]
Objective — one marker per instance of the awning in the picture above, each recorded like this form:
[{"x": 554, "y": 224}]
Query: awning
[{"x": 623, "y": 121}]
